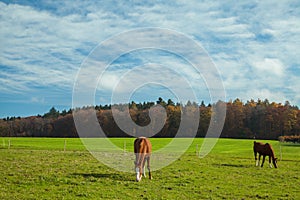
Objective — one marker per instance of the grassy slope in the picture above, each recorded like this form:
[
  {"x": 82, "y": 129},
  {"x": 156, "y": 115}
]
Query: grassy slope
[{"x": 38, "y": 168}]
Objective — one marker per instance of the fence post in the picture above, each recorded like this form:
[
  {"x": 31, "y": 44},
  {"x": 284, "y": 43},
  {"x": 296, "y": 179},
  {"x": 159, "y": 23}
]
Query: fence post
[
  {"x": 124, "y": 147},
  {"x": 65, "y": 145},
  {"x": 280, "y": 152}
]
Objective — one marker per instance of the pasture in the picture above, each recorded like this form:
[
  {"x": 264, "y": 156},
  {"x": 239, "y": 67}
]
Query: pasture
[{"x": 52, "y": 168}]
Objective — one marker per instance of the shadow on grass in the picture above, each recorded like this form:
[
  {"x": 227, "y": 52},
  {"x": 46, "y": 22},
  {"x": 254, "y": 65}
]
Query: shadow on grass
[
  {"x": 118, "y": 177},
  {"x": 233, "y": 165}
]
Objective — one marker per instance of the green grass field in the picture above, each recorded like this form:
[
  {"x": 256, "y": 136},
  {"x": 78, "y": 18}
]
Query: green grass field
[{"x": 46, "y": 168}]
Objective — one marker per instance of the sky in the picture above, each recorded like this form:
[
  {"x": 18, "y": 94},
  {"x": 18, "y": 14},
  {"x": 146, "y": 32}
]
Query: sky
[{"x": 44, "y": 44}]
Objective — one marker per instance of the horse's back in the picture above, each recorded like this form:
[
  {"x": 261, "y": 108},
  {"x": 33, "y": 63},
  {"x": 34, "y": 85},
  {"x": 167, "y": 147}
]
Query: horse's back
[
  {"x": 261, "y": 148},
  {"x": 258, "y": 147},
  {"x": 142, "y": 144},
  {"x": 258, "y": 143}
]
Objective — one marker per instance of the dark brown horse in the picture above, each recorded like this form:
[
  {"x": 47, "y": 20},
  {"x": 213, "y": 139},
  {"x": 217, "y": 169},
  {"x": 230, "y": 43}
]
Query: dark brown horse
[
  {"x": 264, "y": 150},
  {"x": 142, "y": 150}
]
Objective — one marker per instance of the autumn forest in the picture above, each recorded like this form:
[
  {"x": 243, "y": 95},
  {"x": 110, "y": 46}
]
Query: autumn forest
[{"x": 252, "y": 119}]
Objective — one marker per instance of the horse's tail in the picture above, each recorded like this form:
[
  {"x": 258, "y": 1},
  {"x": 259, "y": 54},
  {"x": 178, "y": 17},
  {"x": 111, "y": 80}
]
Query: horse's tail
[
  {"x": 255, "y": 146},
  {"x": 137, "y": 144},
  {"x": 139, "y": 150}
]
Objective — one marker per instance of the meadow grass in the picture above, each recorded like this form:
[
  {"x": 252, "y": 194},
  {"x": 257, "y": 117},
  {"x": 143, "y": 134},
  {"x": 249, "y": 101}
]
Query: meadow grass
[{"x": 58, "y": 168}]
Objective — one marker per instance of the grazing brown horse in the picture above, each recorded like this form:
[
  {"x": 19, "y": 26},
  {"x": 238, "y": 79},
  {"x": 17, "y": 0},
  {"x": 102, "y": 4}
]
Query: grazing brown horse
[
  {"x": 142, "y": 150},
  {"x": 264, "y": 150}
]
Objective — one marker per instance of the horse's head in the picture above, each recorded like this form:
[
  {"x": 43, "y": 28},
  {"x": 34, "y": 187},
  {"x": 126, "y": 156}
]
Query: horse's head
[
  {"x": 138, "y": 172},
  {"x": 275, "y": 162}
]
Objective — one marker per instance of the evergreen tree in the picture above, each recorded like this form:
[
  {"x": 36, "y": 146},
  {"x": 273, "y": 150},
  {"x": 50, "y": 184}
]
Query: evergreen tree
[{"x": 53, "y": 113}]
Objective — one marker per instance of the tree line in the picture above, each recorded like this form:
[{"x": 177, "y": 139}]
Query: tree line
[{"x": 252, "y": 119}]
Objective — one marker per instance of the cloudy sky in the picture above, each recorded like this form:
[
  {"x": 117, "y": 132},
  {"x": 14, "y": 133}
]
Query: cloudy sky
[{"x": 254, "y": 45}]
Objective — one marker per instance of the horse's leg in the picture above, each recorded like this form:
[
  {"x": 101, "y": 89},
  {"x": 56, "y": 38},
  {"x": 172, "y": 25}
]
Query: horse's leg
[
  {"x": 136, "y": 162},
  {"x": 139, "y": 166},
  {"x": 262, "y": 164},
  {"x": 270, "y": 162},
  {"x": 256, "y": 161},
  {"x": 143, "y": 166},
  {"x": 148, "y": 166}
]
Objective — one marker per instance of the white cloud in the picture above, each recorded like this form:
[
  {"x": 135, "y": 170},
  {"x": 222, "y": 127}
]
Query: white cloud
[
  {"x": 272, "y": 96},
  {"x": 250, "y": 42},
  {"x": 37, "y": 100},
  {"x": 108, "y": 80},
  {"x": 270, "y": 66}
]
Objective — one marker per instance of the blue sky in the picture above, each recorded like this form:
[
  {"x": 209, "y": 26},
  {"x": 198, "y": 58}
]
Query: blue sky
[{"x": 254, "y": 44}]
